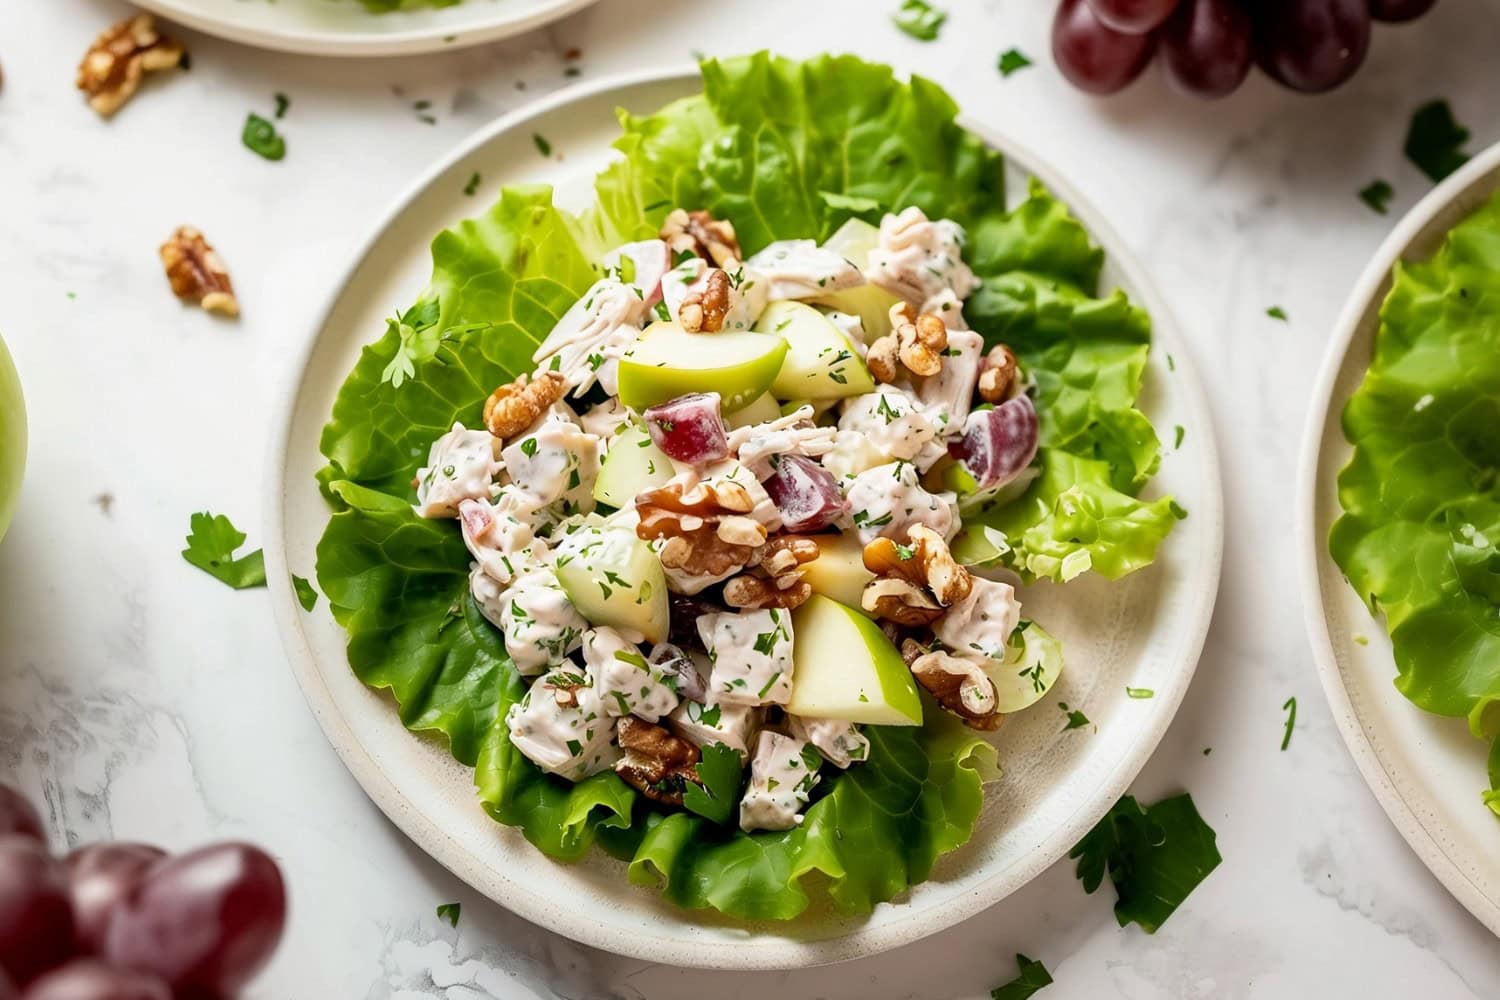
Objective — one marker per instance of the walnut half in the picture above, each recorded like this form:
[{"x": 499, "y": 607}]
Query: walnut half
[
  {"x": 517, "y": 405},
  {"x": 915, "y": 583},
  {"x": 704, "y": 310},
  {"x": 197, "y": 272},
  {"x": 961, "y": 686},
  {"x": 916, "y": 343},
  {"x": 775, "y": 581},
  {"x": 111, "y": 70},
  {"x": 702, "y": 235},
  {"x": 656, "y": 763},
  {"x": 705, "y": 529},
  {"x": 997, "y": 374}
]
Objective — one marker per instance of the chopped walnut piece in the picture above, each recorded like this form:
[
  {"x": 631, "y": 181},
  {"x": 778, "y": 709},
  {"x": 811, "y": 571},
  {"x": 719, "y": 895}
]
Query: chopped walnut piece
[
  {"x": 656, "y": 763},
  {"x": 914, "y": 584},
  {"x": 775, "y": 581},
  {"x": 703, "y": 310},
  {"x": 961, "y": 686},
  {"x": 997, "y": 374},
  {"x": 916, "y": 343},
  {"x": 111, "y": 70},
  {"x": 517, "y": 405},
  {"x": 197, "y": 272},
  {"x": 705, "y": 528},
  {"x": 702, "y": 235}
]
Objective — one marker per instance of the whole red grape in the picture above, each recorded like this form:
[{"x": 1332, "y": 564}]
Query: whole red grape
[
  {"x": 1312, "y": 45},
  {"x": 1133, "y": 17},
  {"x": 7, "y": 988},
  {"x": 99, "y": 876},
  {"x": 1207, "y": 46},
  {"x": 1093, "y": 56},
  {"x": 1399, "y": 10},
  {"x": 18, "y": 816},
  {"x": 36, "y": 920},
  {"x": 205, "y": 921},
  {"x": 91, "y": 979}
]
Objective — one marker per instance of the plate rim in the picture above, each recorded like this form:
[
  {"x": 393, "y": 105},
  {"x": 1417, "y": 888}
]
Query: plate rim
[
  {"x": 341, "y": 44},
  {"x": 1366, "y": 295},
  {"x": 754, "y": 952}
]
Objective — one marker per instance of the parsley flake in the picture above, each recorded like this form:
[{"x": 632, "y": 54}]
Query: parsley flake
[
  {"x": 449, "y": 912},
  {"x": 1030, "y": 977},
  {"x": 1012, "y": 60},
  {"x": 1290, "y": 707},
  {"x": 262, "y": 139},
  {"x": 1140, "y": 692},
  {"x": 1377, "y": 194},
  {"x": 211, "y": 542},
  {"x": 1076, "y": 719},
  {"x": 919, "y": 19},
  {"x": 542, "y": 145},
  {"x": 473, "y": 185},
  {"x": 1434, "y": 140},
  {"x": 306, "y": 595},
  {"x": 1276, "y": 312}
]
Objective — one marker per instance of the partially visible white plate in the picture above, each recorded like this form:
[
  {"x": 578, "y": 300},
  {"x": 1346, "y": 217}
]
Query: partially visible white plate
[
  {"x": 1426, "y": 771},
  {"x": 1145, "y": 631},
  {"x": 346, "y": 28}
]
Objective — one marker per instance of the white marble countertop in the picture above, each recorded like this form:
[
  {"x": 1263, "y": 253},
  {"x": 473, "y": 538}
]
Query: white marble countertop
[{"x": 141, "y": 699}]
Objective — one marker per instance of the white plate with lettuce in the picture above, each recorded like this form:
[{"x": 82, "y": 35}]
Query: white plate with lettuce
[
  {"x": 363, "y": 27},
  {"x": 942, "y": 820},
  {"x": 1399, "y": 528}
]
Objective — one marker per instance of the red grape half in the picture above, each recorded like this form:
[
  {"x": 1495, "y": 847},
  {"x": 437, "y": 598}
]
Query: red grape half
[
  {"x": 18, "y": 816},
  {"x": 1399, "y": 10},
  {"x": 1093, "y": 56}
]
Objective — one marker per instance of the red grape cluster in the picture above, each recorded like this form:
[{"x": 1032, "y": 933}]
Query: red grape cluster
[
  {"x": 122, "y": 921},
  {"x": 1207, "y": 46}
]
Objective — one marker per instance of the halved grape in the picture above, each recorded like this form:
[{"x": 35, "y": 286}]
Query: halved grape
[
  {"x": 1311, "y": 45},
  {"x": 36, "y": 920},
  {"x": 18, "y": 816},
  {"x": 205, "y": 921},
  {"x": 998, "y": 444},
  {"x": 99, "y": 877},
  {"x": 689, "y": 428},
  {"x": 1093, "y": 56},
  {"x": 1134, "y": 17},
  {"x": 1207, "y": 47},
  {"x": 805, "y": 494},
  {"x": 1399, "y": 10},
  {"x": 91, "y": 979}
]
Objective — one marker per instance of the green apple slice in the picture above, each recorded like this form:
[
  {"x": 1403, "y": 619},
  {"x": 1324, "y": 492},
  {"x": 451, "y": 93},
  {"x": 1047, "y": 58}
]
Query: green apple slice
[
  {"x": 853, "y": 241},
  {"x": 843, "y": 667},
  {"x": 872, "y": 304},
  {"x": 613, "y": 578},
  {"x": 667, "y": 362},
  {"x": 839, "y": 571},
  {"x": 763, "y": 409},
  {"x": 820, "y": 363},
  {"x": 632, "y": 464},
  {"x": 1033, "y": 662}
]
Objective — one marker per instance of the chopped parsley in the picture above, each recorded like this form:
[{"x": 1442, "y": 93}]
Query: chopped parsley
[
  {"x": 1012, "y": 60},
  {"x": 1076, "y": 719},
  {"x": 709, "y": 715},
  {"x": 1290, "y": 707},
  {"x": 211, "y": 542},
  {"x": 1030, "y": 977},
  {"x": 542, "y": 145},
  {"x": 529, "y": 447},
  {"x": 1434, "y": 140},
  {"x": 1377, "y": 194},
  {"x": 306, "y": 595},
  {"x": 635, "y": 659},
  {"x": 283, "y": 102},
  {"x": 1177, "y": 435},
  {"x": 575, "y": 748},
  {"x": 473, "y": 186},
  {"x": 1276, "y": 312},
  {"x": 449, "y": 912},
  {"x": 262, "y": 139},
  {"x": 713, "y": 795},
  {"x": 1155, "y": 856}
]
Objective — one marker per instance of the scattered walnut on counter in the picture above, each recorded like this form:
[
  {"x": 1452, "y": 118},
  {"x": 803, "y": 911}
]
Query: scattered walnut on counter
[
  {"x": 656, "y": 763},
  {"x": 702, "y": 235},
  {"x": 916, "y": 343},
  {"x": 706, "y": 530},
  {"x": 961, "y": 686},
  {"x": 703, "y": 310},
  {"x": 997, "y": 374},
  {"x": 112, "y": 69},
  {"x": 197, "y": 272},
  {"x": 775, "y": 581},
  {"x": 517, "y": 405}
]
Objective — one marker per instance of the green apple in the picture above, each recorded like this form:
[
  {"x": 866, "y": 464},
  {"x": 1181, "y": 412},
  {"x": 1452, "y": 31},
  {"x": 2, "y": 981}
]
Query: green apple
[
  {"x": 631, "y": 465},
  {"x": 613, "y": 578},
  {"x": 819, "y": 363},
  {"x": 853, "y": 241},
  {"x": 1033, "y": 661},
  {"x": 843, "y": 667},
  {"x": 872, "y": 304},
  {"x": 763, "y": 409},
  {"x": 12, "y": 438},
  {"x": 667, "y": 361},
  {"x": 839, "y": 571}
]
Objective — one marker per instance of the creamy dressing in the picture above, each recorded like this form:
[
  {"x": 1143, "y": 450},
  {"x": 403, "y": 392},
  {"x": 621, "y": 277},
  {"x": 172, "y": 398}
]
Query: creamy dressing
[
  {"x": 499, "y": 535},
  {"x": 627, "y": 683},
  {"x": 919, "y": 259},
  {"x": 800, "y": 269},
  {"x": 461, "y": 465},
  {"x": 541, "y": 625},
  {"x": 593, "y": 335},
  {"x": 889, "y": 499},
  {"x": 560, "y": 725},
  {"x": 877, "y": 427},
  {"x": 700, "y": 725},
  {"x": 793, "y": 434},
  {"x": 840, "y": 743},
  {"x": 751, "y": 653},
  {"x": 980, "y": 625},
  {"x": 783, "y": 771},
  {"x": 554, "y": 465}
]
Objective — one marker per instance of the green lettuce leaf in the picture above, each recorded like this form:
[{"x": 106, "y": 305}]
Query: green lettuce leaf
[{"x": 1419, "y": 539}]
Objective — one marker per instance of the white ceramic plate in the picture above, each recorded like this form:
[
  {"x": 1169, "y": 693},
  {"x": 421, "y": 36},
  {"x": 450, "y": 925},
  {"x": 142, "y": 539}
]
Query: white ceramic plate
[
  {"x": 1427, "y": 771},
  {"x": 1145, "y": 631},
  {"x": 346, "y": 28}
]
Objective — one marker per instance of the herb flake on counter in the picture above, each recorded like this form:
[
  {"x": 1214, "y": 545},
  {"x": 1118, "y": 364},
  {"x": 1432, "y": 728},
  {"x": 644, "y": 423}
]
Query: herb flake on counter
[
  {"x": 1171, "y": 363},
  {"x": 211, "y": 542},
  {"x": 1178, "y": 433},
  {"x": 262, "y": 139},
  {"x": 283, "y": 102},
  {"x": 306, "y": 595},
  {"x": 1012, "y": 60},
  {"x": 1076, "y": 719},
  {"x": 1140, "y": 692},
  {"x": 919, "y": 19},
  {"x": 1434, "y": 140},
  {"x": 1290, "y": 707},
  {"x": 424, "y": 112},
  {"x": 450, "y": 912},
  {"x": 1377, "y": 194},
  {"x": 473, "y": 185},
  {"x": 719, "y": 772},
  {"x": 1155, "y": 856},
  {"x": 1276, "y": 312},
  {"x": 1030, "y": 977},
  {"x": 542, "y": 145}
]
